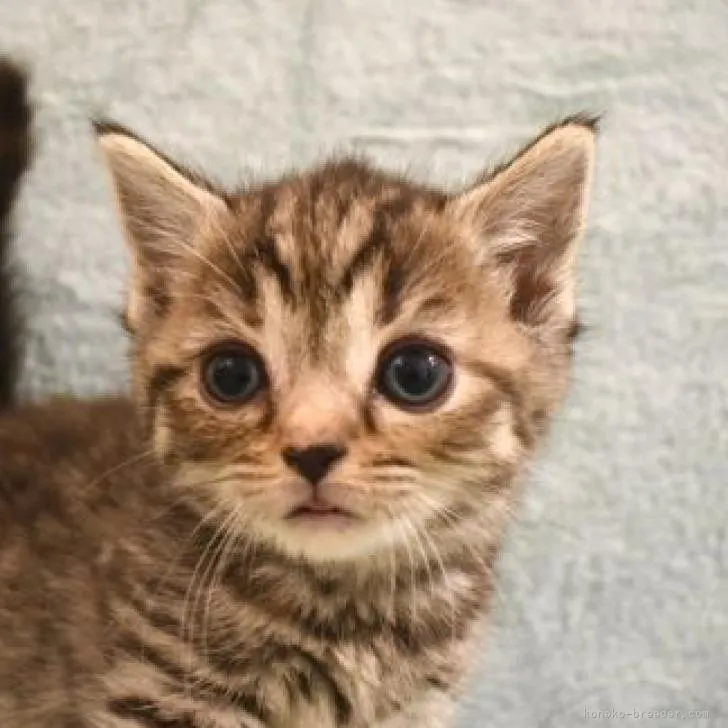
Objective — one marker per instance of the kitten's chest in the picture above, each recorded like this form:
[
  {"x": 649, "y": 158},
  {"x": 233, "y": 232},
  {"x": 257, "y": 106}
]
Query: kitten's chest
[
  {"x": 265, "y": 653},
  {"x": 336, "y": 686},
  {"x": 267, "y": 674}
]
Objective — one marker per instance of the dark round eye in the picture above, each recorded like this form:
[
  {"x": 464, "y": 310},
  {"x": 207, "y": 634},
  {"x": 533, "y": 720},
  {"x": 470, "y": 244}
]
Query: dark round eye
[
  {"x": 233, "y": 376},
  {"x": 414, "y": 375}
]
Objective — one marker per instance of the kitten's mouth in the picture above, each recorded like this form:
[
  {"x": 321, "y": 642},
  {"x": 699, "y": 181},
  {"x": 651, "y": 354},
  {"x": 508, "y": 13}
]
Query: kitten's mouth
[{"x": 320, "y": 512}]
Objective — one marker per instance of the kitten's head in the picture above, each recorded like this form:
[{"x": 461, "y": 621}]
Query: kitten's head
[{"x": 337, "y": 358}]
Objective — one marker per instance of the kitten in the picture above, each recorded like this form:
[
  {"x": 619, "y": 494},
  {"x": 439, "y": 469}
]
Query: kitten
[
  {"x": 14, "y": 158},
  {"x": 293, "y": 522}
]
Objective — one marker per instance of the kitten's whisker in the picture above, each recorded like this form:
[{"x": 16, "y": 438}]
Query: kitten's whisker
[
  {"x": 438, "y": 507},
  {"x": 234, "y": 254},
  {"x": 246, "y": 550},
  {"x": 408, "y": 550},
  {"x": 181, "y": 499},
  {"x": 478, "y": 558},
  {"x": 393, "y": 580},
  {"x": 393, "y": 566},
  {"x": 212, "y": 514},
  {"x": 112, "y": 471},
  {"x": 197, "y": 254},
  {"x": 425, "y": 558},
  {"x": 448, "y": 586},
  {"x": 187, "y": 627},
  {"x": 152, "y": 598},
  {"x": 394, "y": 470},
  {"x": 162, "y": 580},
  {"x": 389, "y": 478},
  {"x": 453, "y": 518},
  {"x": 222, "y": 555}
]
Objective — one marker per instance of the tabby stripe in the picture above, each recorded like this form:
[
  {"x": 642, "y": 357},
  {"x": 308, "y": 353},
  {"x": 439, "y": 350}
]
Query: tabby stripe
[
  {"x": 267, "y": 254},
  {"x": 146, "y": 713},
  {"x": 319, "y": 672},
  {"x": 501, "y": 378},
  {"x": 366, "y": 412},
  {"x": 162, "y": 379},
  {"x": 363, "y": 260},
  {"x": 391, "y": 302},
  {"x": 347, "y": 625},
  {"x": 392, "y": 461},
  {"x": 239, "y": 268},
  {"x": 159, "y": 297},
  {"x": 507, "y": 385},
  {"x": 438, "y": 683},
  {"x": 166, "y": 623},
  {"x": 251, "y": 705},
  {"x": 202, "y": 688},
  {"x": 435, "y": 307},
  {"x": 133, "y": 646}
]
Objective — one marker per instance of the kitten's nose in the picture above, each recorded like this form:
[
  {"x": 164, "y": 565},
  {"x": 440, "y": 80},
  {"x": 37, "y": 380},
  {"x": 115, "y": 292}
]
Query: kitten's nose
[{"x": 315, "y": 461}]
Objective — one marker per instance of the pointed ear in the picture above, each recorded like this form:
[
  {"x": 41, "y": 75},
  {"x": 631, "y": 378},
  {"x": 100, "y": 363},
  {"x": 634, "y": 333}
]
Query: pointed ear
[
  {"x": 529, "y": 216},
  {"x": 163, "y": 209}
]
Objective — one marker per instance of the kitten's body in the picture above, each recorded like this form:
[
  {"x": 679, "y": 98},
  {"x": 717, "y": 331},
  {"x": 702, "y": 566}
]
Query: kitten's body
[
  {"x": 152, "y": 572},
  {"x": 98, "y": 588}
]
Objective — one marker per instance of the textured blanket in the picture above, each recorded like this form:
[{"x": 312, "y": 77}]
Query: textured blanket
[{"x": 613, "y": 588}]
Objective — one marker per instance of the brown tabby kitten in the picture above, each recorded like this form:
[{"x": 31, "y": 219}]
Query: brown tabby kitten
[{"x": 337, "y": 379}]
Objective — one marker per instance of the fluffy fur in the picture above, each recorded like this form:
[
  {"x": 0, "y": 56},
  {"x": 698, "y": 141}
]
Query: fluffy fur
[{"x": 150, "y": 573}]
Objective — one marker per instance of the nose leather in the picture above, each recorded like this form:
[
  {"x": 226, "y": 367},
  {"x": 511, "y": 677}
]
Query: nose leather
[{"x": 314, "y": 462}]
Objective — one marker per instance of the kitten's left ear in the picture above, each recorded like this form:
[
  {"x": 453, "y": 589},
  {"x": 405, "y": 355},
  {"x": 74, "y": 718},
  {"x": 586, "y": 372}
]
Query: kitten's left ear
[
  {"x": 529, "y": 216},
  {"x": 163, "y": 209}
]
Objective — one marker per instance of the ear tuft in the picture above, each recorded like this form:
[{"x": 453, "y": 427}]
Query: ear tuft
[{"x": 529, "y": 215}]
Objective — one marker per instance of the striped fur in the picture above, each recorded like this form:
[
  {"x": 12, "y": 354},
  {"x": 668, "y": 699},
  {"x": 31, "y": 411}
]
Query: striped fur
[{"x": 150, "y": 575}]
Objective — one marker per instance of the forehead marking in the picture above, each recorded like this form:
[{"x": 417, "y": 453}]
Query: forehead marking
[{"x": 268, "y": 256}]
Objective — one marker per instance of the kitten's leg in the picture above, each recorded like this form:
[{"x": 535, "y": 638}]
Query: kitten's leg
[{"x": 437, "y": 710}]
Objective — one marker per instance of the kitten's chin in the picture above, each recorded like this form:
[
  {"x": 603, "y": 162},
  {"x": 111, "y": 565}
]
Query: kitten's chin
[{"x": 330, "y": 536}]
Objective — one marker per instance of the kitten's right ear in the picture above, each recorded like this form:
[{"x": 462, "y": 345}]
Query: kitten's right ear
[{"x": 163, "y": 208}]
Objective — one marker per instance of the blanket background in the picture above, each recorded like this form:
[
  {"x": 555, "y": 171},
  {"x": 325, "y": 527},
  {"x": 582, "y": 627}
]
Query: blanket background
[{"x": 613, "y": 586}]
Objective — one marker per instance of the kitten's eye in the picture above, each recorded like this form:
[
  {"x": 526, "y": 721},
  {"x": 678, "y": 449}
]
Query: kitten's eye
[
  {"x": 233, "y": 375},
  {"x": 414, "y": 375}
]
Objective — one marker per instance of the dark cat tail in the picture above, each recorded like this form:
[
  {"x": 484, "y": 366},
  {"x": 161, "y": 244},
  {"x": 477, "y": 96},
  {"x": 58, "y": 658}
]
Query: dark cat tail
[{"x": 15, "y": 155}]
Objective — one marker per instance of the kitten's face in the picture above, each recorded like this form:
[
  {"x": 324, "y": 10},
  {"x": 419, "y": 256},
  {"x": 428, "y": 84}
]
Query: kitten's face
[{"x": 333, "y": 362}]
